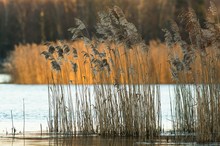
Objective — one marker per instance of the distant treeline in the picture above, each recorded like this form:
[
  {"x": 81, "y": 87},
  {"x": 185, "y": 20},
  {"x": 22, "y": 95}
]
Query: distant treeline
[{"x": 34, "y": 21}]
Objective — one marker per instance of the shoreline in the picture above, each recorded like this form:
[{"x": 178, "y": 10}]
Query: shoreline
[{"x": 42, "y": 140}]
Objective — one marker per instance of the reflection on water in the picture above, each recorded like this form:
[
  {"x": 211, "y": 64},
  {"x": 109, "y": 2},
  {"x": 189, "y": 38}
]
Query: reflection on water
[
  {"x": 70, "y": 141},
  {"x": 93, "y": 141}
]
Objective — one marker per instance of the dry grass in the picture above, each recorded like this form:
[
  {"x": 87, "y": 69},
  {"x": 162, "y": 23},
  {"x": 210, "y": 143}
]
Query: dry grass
[
  {"x": 123, "y": 107},
  {"x": 128, "y": 107},
  {"x": 27, "y": 66},
  {"x": 197, "y": 105}
]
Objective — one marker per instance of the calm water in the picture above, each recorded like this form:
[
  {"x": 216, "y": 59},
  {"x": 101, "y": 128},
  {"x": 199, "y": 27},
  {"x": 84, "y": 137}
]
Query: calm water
[
  {"x": 36, "y": 106},
  {"x": 35, "y": 98},
  {"x": 92, "y": 141},
  {"x": 5, "y": 78}
]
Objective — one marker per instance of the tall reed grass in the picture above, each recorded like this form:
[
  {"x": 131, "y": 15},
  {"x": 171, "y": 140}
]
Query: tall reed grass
[
  {"x": 28, "y": 67},
  {"x": 119, "y": 64},
  {"x": 197, "y": 105},
  {"x": 126, "y": 106}
]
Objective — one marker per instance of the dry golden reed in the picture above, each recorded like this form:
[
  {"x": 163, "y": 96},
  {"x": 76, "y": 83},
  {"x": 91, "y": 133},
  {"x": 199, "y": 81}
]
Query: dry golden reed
[
  {"x": 126, "y": 106},
  {"x": 196, "y": 105},
  {"x": 29, "y": 67}
]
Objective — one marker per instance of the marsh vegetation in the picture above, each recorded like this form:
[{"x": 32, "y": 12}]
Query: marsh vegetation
[
  {"x": 196, "y": 106},
  {"x": 126, "y": 75},
  {"x": 126, "y": 107}
]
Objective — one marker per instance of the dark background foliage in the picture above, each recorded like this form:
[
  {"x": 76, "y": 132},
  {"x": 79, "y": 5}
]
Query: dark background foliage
[{"x": 35, "y": 21}]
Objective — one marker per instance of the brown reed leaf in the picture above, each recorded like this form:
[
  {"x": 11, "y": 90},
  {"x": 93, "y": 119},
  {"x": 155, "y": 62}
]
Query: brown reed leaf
[
  {"x": 80, "y": 25},
  {"x": 213, "y": 9},
  {"x": 51, "y": 49},
  {"x": 75, "y": 54},
  {"x": 168, "y": 38},
  {"x": 74, "y": 66},
  {"x": 47, "y": 55},
  {"x": 66, "y": 49},
  {"x": 55, "y": 65}
]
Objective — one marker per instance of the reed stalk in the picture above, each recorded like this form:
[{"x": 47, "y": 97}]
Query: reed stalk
[
  {"x": 23, "y": 118},
  {"x": 12, "y": 122}
]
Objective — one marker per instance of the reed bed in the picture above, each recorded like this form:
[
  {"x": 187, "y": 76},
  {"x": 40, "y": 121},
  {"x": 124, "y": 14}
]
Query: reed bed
[
  {"x": 117, "y": 103},
  {"x": 118, "y": 65},
  {"x": 27, "y": 66},
  {"x": 196, "y": 107}
]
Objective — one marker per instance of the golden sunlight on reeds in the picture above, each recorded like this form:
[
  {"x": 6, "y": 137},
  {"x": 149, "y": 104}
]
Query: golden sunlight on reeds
[
  {"x": 29, "y": 67},
  {"x": 121, "y": 66}
]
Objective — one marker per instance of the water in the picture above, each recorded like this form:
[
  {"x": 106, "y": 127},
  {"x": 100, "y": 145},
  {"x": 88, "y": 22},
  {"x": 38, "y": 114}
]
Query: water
[
  {"x": 35, "y": 98},
  {"x": 5, "y": 78},
  {"x": 93, "y": 141},
  {"x": 36, "y": 107}
]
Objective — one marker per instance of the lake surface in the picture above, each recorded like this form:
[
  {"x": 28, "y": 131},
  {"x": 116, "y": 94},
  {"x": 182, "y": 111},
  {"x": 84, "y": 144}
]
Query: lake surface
[
  {"x": 36, "y": 107},
  {"x": 92, "y": 141},
  {"x": 35, "y": 99},
  {"x": 5, "y": 78}
]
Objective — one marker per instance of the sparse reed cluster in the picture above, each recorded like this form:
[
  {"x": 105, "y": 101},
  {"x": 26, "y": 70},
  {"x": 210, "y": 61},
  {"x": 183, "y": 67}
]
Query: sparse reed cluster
[
  {"x": 126, "y": 107},
  {"x": 196, "y": 106}
]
